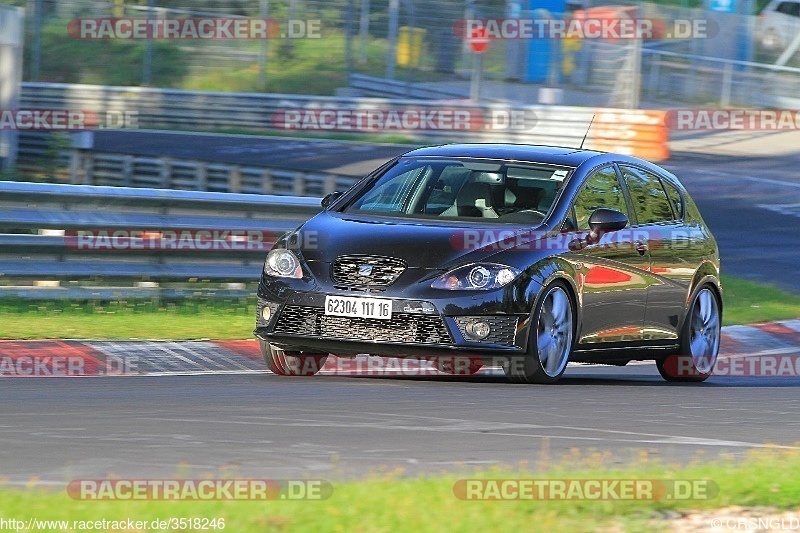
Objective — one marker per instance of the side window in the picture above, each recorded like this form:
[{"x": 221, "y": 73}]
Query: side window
[
  {"x": 674, "y": 198},
  {"x": 649, "y": 199},
  {"x": 601, "y": 189}
]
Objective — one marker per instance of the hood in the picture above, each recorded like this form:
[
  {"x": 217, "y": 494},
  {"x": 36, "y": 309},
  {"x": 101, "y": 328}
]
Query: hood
[{"x": 421, "y": 244}]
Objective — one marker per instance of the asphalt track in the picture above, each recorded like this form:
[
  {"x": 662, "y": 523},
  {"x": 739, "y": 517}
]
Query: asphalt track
[
  {"x": 348, "y": 158},
  {"x": 264, "y": 425},
  {"x": 332, "y": 426},
  {"x": 195, "y": 409},
  {"x": 752, "y": 205}
]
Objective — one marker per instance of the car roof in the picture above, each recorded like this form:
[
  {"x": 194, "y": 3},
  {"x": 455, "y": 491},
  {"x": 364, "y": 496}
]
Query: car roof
[{"x": 554, "y": 155}]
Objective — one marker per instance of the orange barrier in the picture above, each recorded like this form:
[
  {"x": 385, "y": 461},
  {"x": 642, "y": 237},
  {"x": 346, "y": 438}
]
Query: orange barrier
[{"x": 639, "y": 133}]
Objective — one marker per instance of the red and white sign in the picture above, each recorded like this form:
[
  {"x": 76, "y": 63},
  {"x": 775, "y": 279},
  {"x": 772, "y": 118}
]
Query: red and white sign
[{"x": 478, "y": 40}]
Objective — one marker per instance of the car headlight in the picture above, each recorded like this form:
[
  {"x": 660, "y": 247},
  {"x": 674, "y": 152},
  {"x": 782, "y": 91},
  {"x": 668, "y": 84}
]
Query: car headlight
[
  {"x": 476, "y": 277},
  {"x": 282, "y": 263}
]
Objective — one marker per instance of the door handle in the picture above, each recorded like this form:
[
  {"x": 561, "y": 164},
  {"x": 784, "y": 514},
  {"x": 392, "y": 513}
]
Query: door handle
[{"x": 641, "y": 247}]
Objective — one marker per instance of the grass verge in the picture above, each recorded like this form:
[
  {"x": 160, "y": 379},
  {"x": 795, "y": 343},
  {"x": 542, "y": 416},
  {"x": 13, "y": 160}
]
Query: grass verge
[
  {"x": 391, "y": 502},
  {"x": 180, "y": 320},
  {"x": 745, "y": 302}
]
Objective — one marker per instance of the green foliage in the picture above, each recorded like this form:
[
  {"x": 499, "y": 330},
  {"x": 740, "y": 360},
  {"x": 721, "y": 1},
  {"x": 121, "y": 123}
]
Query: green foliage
[
  {"x": 302, "y": 66},
  {"x": 206, "y": 317},
  {"x": 389, "y": 501},
  {"x": 107, "y": 61},
  {"x": 192, "y": 318},
  {"x": 746, "y": 302}
]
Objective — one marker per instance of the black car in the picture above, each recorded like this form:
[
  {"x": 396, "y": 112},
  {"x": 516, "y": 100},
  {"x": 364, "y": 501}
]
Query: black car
[{"x": 528, "y": 257}]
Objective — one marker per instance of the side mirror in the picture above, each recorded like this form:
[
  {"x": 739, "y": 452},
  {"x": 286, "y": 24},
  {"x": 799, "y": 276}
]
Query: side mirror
[
  {"x": 330, "y": 198},
  {"x": 604, "y": 220}
]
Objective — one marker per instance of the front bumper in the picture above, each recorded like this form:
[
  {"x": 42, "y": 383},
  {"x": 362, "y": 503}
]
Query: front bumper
[{"x": 418, "y": 328}]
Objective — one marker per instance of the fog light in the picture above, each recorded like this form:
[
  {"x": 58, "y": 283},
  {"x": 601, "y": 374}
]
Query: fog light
[
  {"x": 266, "y": 313},
  {"x": 479, "y": 329}
]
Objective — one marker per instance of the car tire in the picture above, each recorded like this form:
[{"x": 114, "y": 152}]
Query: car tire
[
  {"x": 551, "y": 340},
  {"x": 699, "y": 340},
  {"x": 285, "y": 363}
]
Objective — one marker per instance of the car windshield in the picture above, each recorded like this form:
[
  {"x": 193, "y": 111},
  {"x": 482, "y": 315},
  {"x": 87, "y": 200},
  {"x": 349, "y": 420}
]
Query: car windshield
[{"x": 451, "y": 188}]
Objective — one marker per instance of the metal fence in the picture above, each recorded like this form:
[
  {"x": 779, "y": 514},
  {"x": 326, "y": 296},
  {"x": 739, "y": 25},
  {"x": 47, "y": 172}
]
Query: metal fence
[
  {"x": 124, "y": 170},
  {"x": 405, "y": 42},
  {"x": 72, "y": 232},
  {"x": 701, "y": 80}
]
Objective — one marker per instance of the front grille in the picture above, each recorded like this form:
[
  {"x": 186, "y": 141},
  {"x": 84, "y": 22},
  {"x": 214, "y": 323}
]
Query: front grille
[
  {"x": 504, "y": 328},
  {"x": 402, "y": 327},
  {"x": 384, "y": 270}
]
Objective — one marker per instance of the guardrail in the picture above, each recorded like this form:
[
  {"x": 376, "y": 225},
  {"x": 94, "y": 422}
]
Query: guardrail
[
  {"x": 373, "y": 86},
  {"x": 78, "y": 232},
  {"x": 98, "y": 168},
  {"x": 678, "y": 76},
  {"x": 55, "y": 158},
  {"x": 634, "y": 132}
]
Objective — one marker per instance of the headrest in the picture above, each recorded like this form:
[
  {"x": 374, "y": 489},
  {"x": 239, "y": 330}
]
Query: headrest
[{"x": 470, "y": 193}]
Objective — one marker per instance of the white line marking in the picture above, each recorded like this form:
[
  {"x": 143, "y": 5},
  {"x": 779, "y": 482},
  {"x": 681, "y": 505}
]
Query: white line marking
[
  {"x": 199, "y": 373},
  {"x": 792, "y": 324},
  {"x": 792, "y": 210},
  {"x": 195, "y": 347},
  {"x": 473, "y": 427},
  {"x": 122, "y": 349},
  {"x": 220, "y": 353},
  {"x": 749, "y": 178},
  {"x": 760, "y": 340},
  {"x": 172, "y": 348}
]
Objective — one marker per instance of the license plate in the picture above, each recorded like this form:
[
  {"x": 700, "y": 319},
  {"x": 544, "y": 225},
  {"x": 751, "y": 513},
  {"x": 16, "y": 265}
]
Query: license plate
[{"x": 358, "y": 307}]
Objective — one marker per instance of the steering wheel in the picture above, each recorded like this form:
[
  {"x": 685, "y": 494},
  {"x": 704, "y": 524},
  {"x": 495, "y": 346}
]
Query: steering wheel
[
  {"x": 523, "y": 215},
  {"x": 536, "y": 211}
]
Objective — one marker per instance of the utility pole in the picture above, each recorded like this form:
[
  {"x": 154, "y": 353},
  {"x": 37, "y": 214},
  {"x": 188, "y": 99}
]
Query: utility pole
[
  {"x": 363, "y": 31},
  {"x": 292, "y": 17},
  {"x": 148, "y": 51},
  {"x": 263, "y": 12},
  {"x": 391, "y": 58},
  {"x": 348, "y": 43},
  {"x": 412, "y": 21},
  {"x": 36, "y": 45}
]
